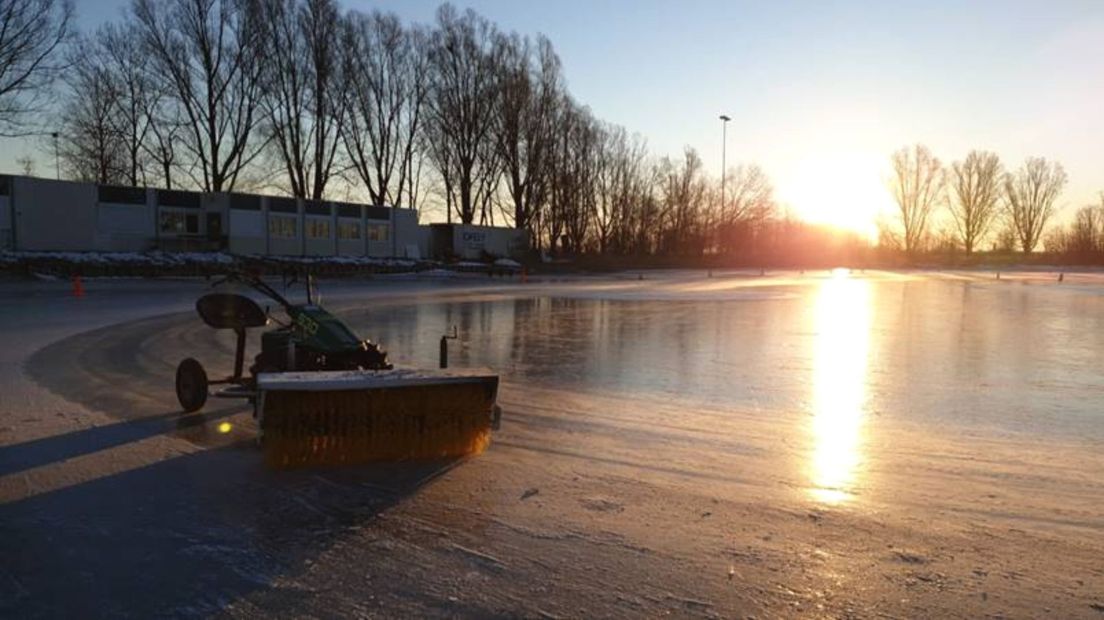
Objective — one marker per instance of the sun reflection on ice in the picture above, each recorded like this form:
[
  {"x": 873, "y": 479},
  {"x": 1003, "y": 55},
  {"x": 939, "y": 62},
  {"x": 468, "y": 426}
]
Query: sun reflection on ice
[{"x": 842, "y": 319}]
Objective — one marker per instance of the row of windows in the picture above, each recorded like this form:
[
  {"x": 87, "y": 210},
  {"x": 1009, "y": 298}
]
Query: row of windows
[
  {"x": 351, "y": 230},
  {"x": 282, "y": 227}
]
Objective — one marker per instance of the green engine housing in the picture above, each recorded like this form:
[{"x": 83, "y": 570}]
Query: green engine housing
[
  {"x": 315, "y": 328},
  {"x": 321, "y": 342}
]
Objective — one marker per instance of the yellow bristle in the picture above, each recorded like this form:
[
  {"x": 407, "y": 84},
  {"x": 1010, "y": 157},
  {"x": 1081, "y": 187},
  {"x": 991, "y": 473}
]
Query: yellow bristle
[{"x": 305, "y": 428}]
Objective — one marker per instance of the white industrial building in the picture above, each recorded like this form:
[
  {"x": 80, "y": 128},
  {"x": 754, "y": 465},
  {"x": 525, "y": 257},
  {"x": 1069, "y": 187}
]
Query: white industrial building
[{"x": 46, "y": 215}]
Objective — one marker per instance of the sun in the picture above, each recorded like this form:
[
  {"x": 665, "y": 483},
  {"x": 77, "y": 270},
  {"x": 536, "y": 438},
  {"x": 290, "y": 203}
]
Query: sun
[{"x": 843, "y": 190}]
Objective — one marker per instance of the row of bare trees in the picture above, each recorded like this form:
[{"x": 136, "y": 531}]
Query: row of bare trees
[
  {"x": 304, "y": 97},
  {"x": 982, "y": 201},
  {"x": 1082, "y": 239}
]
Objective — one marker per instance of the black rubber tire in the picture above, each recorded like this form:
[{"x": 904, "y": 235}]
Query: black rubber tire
[{"x": 191, "y": 385}]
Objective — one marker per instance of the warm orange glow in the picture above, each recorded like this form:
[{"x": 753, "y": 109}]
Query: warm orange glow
[
  {"x": 845, "y": 190},
  {"x": 842, "y": 323}
]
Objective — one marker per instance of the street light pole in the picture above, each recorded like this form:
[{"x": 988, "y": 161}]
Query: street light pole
[
  {"x": 57, "y": 157},
  {"x": 724, "y": 145}
]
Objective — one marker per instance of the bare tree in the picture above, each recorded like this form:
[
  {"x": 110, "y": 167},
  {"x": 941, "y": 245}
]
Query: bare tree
[
  {"x": 386, "y": 67},
  {"x": 918, "y": 182},
  {"x": 622, "y": 190},
  {"x": 610, "y": 141},
  {"x": 684, "y": 192},
  {"x": 1058, "y": 240},
  {"x": 303, "y": 89},
  {"x": 1029, "y": 196},
  {"x": 1084, "y": 236},
  {"x": 160, "y": 145},
  {"x": 32, "y": 33},
  {"x": 207, "y": 54},
  {"x": 976, "y": 188},
  {"x": 462, "y": 104},
  {"x": 581, "y": 172},
  {"x": 749, "y": 201},
  {"x": 530, "y": 85},
  {"x": 574, "y": 164},
  {"x": 135, "y": 96},
  {"x": 889, "y": 238},
  {"x": 632, "y": 190},
  {"x": 1006, "y": 238},
  {"x": 90, "y": 146}
]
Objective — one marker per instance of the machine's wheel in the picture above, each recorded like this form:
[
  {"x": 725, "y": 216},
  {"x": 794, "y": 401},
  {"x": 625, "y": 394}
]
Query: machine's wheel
[{"x": 191, "y": 385}]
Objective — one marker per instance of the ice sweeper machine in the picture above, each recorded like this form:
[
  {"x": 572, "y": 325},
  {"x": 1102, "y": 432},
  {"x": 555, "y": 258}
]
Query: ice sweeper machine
[{"x": 322, "y": 395}]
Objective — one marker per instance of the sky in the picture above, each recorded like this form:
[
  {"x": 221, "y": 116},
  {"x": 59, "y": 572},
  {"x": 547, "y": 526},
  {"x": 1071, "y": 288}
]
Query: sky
[{"x": 820, "y": 93}]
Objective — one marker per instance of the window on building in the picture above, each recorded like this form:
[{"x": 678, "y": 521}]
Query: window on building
[
  {"x": 348, "y": 230},
  {"x": 179, "y": 223},
  {"x": 281, "y": 227},
  {"x": 378, "y": 232},
  {"x": 318, "y": 229},
  {"x": 172, "y": 222}
]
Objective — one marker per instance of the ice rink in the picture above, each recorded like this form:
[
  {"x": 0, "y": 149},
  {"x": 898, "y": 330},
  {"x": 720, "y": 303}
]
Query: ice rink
[{"x": 823, "y": 443}]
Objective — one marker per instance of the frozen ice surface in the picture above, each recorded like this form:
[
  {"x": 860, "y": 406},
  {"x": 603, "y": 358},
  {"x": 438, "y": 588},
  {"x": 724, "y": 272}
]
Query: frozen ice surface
[{"x": 880, "y": 444}]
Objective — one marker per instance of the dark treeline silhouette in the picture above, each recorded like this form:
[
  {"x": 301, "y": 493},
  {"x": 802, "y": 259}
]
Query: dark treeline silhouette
[
  {"x": 306, "y": 98},
  {"x": 1081, "y": 241},
  {"x": 302, "y": 97}
]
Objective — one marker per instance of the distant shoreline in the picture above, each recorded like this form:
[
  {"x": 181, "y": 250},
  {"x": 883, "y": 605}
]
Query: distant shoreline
[{"x": 167, "y": 264}]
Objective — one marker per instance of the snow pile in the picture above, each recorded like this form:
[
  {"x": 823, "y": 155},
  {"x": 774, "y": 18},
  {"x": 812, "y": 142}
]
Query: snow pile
[
  {"x": 160, "y": 263},
  {"x": 498, "y": 266},
  {"x": 438, "y": 273},
  {"x": 153, "y": 258},
  {"x": 358, "y": 261}
]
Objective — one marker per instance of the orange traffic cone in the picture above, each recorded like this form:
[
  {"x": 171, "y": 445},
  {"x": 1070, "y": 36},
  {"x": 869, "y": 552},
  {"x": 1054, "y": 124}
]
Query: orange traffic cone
[{"x": 78, "y": 287}]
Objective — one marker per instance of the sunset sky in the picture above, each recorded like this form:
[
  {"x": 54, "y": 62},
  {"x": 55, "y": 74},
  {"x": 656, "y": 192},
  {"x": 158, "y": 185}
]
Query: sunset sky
[{"x": 820, "y": 93}]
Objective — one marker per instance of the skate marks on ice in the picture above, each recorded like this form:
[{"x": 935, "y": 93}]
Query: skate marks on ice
[{"x": 118, "y": 524}]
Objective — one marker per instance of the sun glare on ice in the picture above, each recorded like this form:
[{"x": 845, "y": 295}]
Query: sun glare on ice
[{"x": 842, "y": 319}]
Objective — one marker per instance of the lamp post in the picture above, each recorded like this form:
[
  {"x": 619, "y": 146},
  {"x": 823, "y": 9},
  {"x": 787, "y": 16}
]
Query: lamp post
[
  {"x": 724, "y": 145},
  {"x": 57, "y": 156}
]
